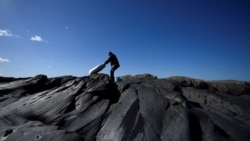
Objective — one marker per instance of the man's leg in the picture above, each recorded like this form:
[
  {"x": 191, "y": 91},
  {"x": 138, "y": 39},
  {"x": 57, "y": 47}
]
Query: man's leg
[
  {"x": 112, "y": 77},
  {"x": 112, "y": 71}
]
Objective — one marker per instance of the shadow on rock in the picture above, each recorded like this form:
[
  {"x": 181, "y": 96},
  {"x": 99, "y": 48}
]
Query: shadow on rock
[
  {"x": 108, "y": 91},
  {"x": 99, "y": 85}
]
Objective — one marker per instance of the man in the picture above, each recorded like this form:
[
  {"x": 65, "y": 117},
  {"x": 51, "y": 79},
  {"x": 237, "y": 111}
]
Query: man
[{"x": 114, "y": 64}]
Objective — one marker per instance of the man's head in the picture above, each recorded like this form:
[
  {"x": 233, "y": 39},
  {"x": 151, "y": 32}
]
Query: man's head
[{"x": 110, "y": 53}]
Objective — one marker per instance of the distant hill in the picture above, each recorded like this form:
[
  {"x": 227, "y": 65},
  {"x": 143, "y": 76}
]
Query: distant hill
[{"x": 138, "y": 108}]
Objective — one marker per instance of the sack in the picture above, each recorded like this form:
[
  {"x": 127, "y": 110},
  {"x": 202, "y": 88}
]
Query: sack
[{"x": 96, "y": 69}]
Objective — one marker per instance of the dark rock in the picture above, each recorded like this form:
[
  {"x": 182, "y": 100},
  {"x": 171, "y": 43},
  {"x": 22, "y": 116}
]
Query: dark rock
[
  {"x": 141, "y": 107},
  {"x": 139, "y": 77},
  {"x": 232, "y": 87},
  {"x": 189, "y": 82}
]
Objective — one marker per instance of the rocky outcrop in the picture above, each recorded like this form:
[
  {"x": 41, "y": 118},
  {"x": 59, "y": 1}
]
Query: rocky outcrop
[{"x": 140, "y": 107}]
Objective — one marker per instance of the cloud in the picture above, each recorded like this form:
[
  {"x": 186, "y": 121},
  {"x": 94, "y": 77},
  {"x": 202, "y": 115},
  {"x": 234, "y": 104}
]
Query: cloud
[
  {"x": 36, "y": 38},
  {"x": 5, "y": 32},
  {"x": 3, "y": 60}
]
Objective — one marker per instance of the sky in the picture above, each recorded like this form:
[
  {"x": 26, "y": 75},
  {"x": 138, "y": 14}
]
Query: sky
[{"x": 202, "y": 39}]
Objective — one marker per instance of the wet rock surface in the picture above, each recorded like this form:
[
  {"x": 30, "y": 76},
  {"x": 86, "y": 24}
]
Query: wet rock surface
[{"x": 140, "y": 108}]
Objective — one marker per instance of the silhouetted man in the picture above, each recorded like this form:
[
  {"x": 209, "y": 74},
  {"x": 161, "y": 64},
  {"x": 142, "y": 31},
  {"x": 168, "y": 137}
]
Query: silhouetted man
[{"x": 114, "y": 64}]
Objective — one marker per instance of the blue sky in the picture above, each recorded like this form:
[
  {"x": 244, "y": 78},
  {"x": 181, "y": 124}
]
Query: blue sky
[{"x": 203, "y": 39}]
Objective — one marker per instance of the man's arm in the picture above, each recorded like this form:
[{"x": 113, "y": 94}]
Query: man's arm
[{"x": 107, "y": 61}]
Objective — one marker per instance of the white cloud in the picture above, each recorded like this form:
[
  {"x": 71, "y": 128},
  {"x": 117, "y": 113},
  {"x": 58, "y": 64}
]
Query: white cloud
[
  {"x": 2, "y": 60},
  {"x": 5, "y": 32},
  {"x": 36, "y": 38}
]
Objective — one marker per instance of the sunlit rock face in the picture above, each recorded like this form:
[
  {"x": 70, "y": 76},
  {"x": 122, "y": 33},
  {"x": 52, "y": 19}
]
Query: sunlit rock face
[{"x": 139, "y": 108}]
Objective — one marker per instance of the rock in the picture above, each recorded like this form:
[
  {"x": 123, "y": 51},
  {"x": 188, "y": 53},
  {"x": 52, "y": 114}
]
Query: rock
[
  {"x": 232, "y": 87},
  {"x": 141, "y": 107},
  {"x": 189, "y": 82},
  {"x": 139, "y": 77}
]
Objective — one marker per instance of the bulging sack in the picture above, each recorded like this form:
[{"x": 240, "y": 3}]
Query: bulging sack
[{"x": 96, "y": 69}]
